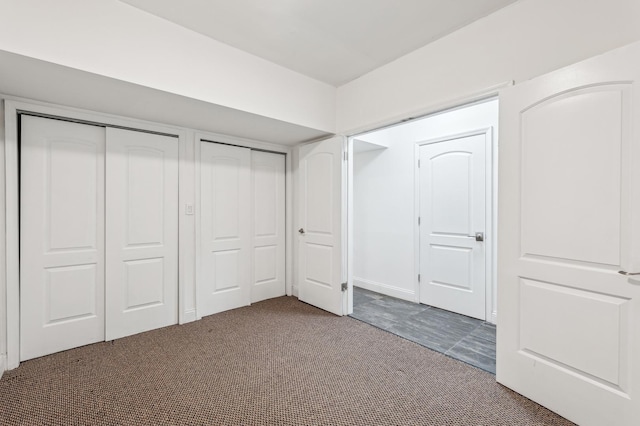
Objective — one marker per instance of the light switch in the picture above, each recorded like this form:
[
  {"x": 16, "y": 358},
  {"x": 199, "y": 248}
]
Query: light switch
[{"x": 188, "y": 209}]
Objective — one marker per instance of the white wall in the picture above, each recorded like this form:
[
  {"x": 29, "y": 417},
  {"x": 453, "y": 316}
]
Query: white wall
[
  {"x": 111, "y": 38},
  {"x": 524, "y": 40},
  {"x": 384, "y": 198},
  {"x": 3, "y": 266}
]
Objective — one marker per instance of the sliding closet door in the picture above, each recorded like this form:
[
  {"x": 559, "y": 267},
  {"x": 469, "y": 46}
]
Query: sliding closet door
[
  {"x": 142, "y": 232},
  {"x": 225, "y": 217},
  {"x": 268, "y": 225},
  {"x": 61, "y": 236}
]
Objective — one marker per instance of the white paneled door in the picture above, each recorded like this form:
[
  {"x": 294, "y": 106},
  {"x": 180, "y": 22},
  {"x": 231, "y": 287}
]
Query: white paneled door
[
  {"x": 321, "y": 222},
  {"x": 225, "y": 217},
  {"x": 569, "y": 221},
  {"x": 142, "y": 232},
  {"x": 268, "y": 211},
  {"x": 452, "y": 194},
  {"x": 61, "y": 236},
  {"x": 98, "y": 234}
]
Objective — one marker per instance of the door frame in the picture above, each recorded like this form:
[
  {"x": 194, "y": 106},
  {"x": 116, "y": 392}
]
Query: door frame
[
  {"x": 199, "y": 137},
  {"x": 489, "y": 94},
  {"x": 491, "y": 195},
  {"x": 10, "y": 280}
]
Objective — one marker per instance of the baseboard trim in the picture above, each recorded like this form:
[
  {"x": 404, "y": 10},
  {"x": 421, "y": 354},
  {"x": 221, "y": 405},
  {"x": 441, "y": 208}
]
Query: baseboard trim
[
  {"x": 3, "y": 364},
  {"x": 385, "y": 289},
  {"x": 189, "y": 316},
  {"x": 494, "y": 318}
]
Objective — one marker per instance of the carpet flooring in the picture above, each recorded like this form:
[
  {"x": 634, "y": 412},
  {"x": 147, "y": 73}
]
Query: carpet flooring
[{"x": 278, "y": 362}]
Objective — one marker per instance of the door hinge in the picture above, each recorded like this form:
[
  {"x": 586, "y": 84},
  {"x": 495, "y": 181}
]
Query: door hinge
[
  {"x": 418, "y": 163},
  {"x": 418, "y": 277},
  {"x": 418, "y": 220},
  {"x": 346, "y": 156},
  {"x": 344, "y": 286}
]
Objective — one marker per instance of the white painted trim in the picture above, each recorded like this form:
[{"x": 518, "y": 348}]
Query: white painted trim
[
  {"x": 13, "y": 106},
  {"x": 490, "y": 212},
  {"x": 186, "y": 231},
  {"x": 389, "y": 290},
  {"x": 349, "y": 249},
  {"x": 198, "y": 224},
  {"x": 416, "y": 227},
  {"x": 420, "y": 113},
  {"x": 289, "y": 225},
  {"x": 189, "y": 316},
  {"x": 12, "y": 241},
  {"x": 3, "y": 287},
  {"x": 3, "y": 364},
  {"x": 347, "y": 297}
]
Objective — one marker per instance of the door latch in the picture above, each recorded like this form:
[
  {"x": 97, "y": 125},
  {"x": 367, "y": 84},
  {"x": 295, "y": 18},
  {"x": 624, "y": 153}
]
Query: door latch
[
  {"x": 344, "y": 286},
  {"x": 478, "y": 237}
]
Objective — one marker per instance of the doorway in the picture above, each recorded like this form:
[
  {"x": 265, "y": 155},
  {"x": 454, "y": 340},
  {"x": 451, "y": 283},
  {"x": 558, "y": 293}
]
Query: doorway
[{"x": 423, "y": 230}]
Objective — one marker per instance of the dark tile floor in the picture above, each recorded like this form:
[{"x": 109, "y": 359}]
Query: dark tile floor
[{"x": 466, "y": 339}]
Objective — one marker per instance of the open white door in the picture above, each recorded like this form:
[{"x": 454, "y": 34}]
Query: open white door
[
  {"x": 322, "y": 208},
  {"x": 569, "y": 220}
]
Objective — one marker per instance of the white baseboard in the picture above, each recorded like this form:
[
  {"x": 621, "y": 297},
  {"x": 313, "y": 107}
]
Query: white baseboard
[
  {"x": 189, "y": 316},
  {"x": 494, "y": 318},
  {"x": 3, "y": 364},
  {"x": 389, "y": 290}
]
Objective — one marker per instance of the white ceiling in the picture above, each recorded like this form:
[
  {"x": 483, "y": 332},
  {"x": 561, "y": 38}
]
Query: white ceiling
[{"x": 334, "y": 41}]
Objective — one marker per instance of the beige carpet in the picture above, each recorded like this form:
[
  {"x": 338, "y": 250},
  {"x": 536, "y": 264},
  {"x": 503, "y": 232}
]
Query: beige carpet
[{"x": 279, "y": 362}]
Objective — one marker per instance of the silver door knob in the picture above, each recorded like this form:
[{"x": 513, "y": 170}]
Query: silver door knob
[
  {"x": 628, "y": 273},
  {"x": 479, "y": 236},
  {"x": 301, "y": 231}
]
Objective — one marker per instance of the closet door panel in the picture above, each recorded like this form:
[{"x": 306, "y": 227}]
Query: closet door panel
[
  {"x": 268, "y": 211},
  {"x": 224, "y": 279},
  {"x": 61, "y": 236},
  {"x": 142, "y": 232}
]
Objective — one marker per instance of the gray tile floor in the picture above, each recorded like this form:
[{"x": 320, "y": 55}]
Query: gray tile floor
[{"x": 466, "y": 339}]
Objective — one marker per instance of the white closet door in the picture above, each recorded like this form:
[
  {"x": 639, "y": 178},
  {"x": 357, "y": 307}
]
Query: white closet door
[
  {"x": 61, "y": 236},
  {"x": 142, "y": 232},
  {"x": 225, "y": 217},
  {"x": 322, "y": 216},
  {"x": 268, "y": 225}
]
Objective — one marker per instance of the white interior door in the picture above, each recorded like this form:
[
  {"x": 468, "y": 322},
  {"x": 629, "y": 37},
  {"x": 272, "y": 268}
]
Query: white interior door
[
  {"x": 268, "y": 212},
  {"x": 61, "y": 236},
  {"x": 569, "y": 220},
  {"x": 142, "y": 232},
  {"x": 225, "y": 215},
  {"x": 321, "y": 231},
  {"x": 452, "y": 196}
]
